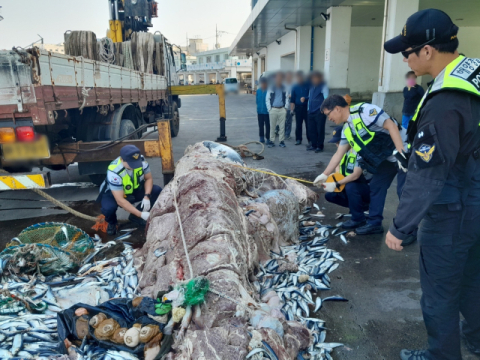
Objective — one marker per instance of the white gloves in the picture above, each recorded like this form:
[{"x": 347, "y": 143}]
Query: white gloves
[
  {"x": 330, "y": 186},
  {"x": 320, "y": 180},
  {"x": 145, "y": 215},
  {"x": 146, "y": 204}
]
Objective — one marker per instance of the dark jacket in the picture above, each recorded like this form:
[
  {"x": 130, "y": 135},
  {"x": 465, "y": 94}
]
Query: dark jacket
[
  {"x": 271, "y": 98},
  {"x": 299, "y": 91},
  {"x": 316, "y": 96},
  {"x": 412, "y": 98}
]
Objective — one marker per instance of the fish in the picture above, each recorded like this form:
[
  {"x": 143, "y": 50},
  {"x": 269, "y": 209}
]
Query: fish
[
  {"x": 255, "y": 351},
  {"x": 129, "y": 230},
  {"x": 17, "y": 344},
  {"x": 334, "y": 298},
  {"x": 316, "y": 206},
  {"x": 318, "y": 304},
  {"x": 159, "y": 253},
  {"x": 344, "y": 239}
]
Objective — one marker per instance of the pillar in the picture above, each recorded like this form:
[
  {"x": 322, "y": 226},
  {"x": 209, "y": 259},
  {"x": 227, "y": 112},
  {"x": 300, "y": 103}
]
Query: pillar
[
  {"x": 304, "y": 48},
  {"x": 218, "y": 78},
  {"x": 195, "y": 78},
  {"x": 205, "y": 78},
  {"x": 233, "y": 72},
  {"x": 392, "y": 69},
  {"x": 337, "y": 48},
  {"x": 254, "y": 72}
]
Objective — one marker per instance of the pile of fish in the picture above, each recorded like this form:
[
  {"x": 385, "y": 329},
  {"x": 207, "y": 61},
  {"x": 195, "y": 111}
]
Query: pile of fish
[
  {"x": 297, "y": 272},
  {"x": 26, "y": 335}
]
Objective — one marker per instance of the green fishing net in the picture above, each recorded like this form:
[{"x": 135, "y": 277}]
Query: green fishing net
[{"x": 195, "y": 291}]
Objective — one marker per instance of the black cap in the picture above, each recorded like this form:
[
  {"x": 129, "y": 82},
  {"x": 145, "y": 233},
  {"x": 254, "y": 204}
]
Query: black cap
[
  {"x": 430, "y": 26},
  {"x": 337, "y": 134},
  {"x": 131, "y": 154}
]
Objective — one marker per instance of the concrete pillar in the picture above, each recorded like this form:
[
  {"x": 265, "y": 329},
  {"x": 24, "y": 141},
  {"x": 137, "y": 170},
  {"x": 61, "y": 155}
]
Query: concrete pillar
[
  {"x": 218, "y": 78},
  {"x": 185, "y": 79},
  {"x": 233, "y": 72},
  {"x": 304, "y": 48},
  {"x": 205, "y": 78},
  {"x": 196, "y": 78},
  {"x": 392, "y": 70},
  {"x": 337, "y": 47}
]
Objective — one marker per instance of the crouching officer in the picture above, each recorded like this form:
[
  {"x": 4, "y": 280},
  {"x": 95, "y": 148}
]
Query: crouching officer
[
  {"x": 356, "y": 195},
  {"x": 443, "y": 185},
  {"x": 128, "y": 181},
  {"x": 369, "y": 131}
]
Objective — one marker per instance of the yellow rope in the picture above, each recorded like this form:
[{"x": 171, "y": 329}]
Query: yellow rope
[{"x": 274, "y": 174}]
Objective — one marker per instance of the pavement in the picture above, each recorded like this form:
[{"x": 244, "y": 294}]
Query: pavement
[{"x": 383, "y": 314}]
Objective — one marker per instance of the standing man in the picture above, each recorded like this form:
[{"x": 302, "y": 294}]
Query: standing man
[
  {"x": 300, "y": 90},
  {"x": 316, "y": 119},
  {"x": 262, "y": 111},
  {"x": 128, "y": 181},
  {"x": 356, "y": 194},
  {"x": 443, "y": 185},
  {"x": 412, "y": 94},
  {"x": 288, "y": 121},
  {"x": 373, "y": 135},
  {"x": 277, "y": 104}
]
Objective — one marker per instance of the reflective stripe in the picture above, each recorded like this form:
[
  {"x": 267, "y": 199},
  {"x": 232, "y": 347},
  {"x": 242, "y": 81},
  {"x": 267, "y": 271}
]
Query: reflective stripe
[
  {"x": 363, "y": 136},
  {"x": 129, "y": 186}
]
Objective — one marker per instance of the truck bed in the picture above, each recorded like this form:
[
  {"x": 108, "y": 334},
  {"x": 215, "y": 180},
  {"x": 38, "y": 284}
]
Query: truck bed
[{"x": 36, "y": 83}]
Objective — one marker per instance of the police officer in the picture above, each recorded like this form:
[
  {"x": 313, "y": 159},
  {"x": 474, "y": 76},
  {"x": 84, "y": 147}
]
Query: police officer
[
  {"x": 374, "y": 136},
  {"x": 356, "y": 195},
  {"x": 443, "y": 185},
  {"x": 128, "y": 181}
]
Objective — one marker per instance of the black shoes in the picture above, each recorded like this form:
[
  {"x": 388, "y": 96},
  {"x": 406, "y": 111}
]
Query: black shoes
[
  {"x": 369, "y": 229},
  {"x": 136, "y": 220},
  {"x": 413, "y": 355},
  {"x": 298, "y": 142},
  {"x": 318, "y": 150},
  {"x": 112, "y": 229},
  {"x": 350, "y": 224},
  {"x": 310, "y": 148},
  {"x": 282, "y": 144},
  {"x": 271, "y": 144}
]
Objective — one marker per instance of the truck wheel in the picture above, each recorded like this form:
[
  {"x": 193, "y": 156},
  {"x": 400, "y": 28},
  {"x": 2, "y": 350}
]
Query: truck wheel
[
  {"x": 175, "y": 120},
  {"x": 127, "y": 127}
]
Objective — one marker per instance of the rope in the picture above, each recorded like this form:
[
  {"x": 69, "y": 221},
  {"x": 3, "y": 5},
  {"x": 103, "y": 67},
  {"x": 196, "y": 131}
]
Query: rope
[
  {"x": 84, "y": 89},
  {"x": 244, "y": 150},
  {"x": 274, "y": 174},
  {"x": 106, "y": 50},
  {"x": 181, "y": 230}
]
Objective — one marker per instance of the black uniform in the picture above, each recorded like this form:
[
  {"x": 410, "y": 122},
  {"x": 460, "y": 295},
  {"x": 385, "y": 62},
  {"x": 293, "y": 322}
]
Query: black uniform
[{"x": 443, "y": 189}]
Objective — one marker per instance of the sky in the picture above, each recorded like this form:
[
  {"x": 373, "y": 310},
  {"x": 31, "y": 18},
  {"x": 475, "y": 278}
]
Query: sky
[{"x": 24, "y": 19}]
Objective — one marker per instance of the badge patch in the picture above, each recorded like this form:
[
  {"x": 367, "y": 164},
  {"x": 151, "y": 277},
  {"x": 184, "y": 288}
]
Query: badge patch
[
  {"x": 425, "y": 152},
  {"x": 373, "y": 112},
  {"x": 469, "y": 70},
  {"x": 136, "y": 156},
  {"x": 128, "y": 187},
  {"x": 420, "y": 135}
]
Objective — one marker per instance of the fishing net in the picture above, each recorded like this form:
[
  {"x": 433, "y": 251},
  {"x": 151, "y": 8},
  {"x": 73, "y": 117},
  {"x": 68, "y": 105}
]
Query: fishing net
[
  {"x": 48, "y": 248},
  {"x": 195, "y": 291}
]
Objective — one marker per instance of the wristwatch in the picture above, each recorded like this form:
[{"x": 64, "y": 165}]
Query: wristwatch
[{"x": 148, "y": 195}]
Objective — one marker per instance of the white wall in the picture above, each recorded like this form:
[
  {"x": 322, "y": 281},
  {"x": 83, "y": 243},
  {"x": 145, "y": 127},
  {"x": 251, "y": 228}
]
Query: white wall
[
  {"x": 303, "y": 47},
  {"x": 319, "y": 48},
  {"x": 364, "y": 59},
  {"x": 275, "y": 51},
  {"x": 469, "y": 38},
  {"x": 287, "y": 63}
]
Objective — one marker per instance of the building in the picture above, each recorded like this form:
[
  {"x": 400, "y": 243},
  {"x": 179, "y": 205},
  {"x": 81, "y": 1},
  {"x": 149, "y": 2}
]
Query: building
[
  {"x": 344, "y": 39},
  {"x": 215, "y": 65},
  {"x": 196, "y": 46}
]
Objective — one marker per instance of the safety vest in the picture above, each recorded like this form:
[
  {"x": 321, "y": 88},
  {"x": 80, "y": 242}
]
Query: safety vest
[
  {"x": 462, "y": 74},
  {"x": 347, "y": 165},
  {"x": 373, "y": 147},
  {"x": 129, "y": 185}
]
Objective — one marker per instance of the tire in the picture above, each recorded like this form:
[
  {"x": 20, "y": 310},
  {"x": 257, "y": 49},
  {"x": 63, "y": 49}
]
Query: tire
[
  {"x": 175, "y": 120},
  {"x": 97, "y": 179},
  {"x": 127, "y": 127}
]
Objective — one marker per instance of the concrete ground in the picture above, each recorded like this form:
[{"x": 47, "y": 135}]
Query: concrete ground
[{"x": 383, "y": 313}]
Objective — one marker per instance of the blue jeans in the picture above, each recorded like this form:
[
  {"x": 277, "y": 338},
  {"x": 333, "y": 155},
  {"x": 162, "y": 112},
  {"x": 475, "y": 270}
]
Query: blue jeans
[
  {"x": 110, "y": 206},
  {"x": 355, "y": 196},
  {"x": 405, "y": 120}
]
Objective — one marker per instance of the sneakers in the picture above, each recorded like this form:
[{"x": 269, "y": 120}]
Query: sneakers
[
  {"x": 282, "y": 144},
  {"x": 271, "y": 144},
  {"x": 262, "y": 140},
  {"x": 470, "y": 347},
  {"x": 112, "y": 229},
  {"x": 318, "y": 150},
  {"x": 137, "y": 220},
  {"x": 413, "y": 355},
  {"x": 298, "y": 142},
  {"x": 309, "y": 144},
  {"x": 369, "y": 229},
  {"x": 350, "y": 224},
  {"x": 310, "y": 148},
  {"x": 288, "y": 137}
]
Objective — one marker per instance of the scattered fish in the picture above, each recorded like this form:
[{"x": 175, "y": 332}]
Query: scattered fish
[{"x": 159, "y": 253}]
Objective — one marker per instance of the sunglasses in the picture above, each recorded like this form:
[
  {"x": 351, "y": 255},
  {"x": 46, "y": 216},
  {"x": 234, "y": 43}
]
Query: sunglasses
[{"x": 407, "y": 53}]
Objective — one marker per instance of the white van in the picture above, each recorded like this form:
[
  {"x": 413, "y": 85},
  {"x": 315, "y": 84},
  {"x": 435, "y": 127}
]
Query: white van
[{"x": 231, "y": 85}]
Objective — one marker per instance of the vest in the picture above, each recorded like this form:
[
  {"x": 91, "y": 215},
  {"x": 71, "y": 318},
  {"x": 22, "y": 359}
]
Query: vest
[
  {"x": 129, "y": 185},
  {"x": 373, "y": 147},
  {"x": 462, "y": 74},
  {"x": 347, "y": 165},
  {"x": 272, "y": 96}
]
